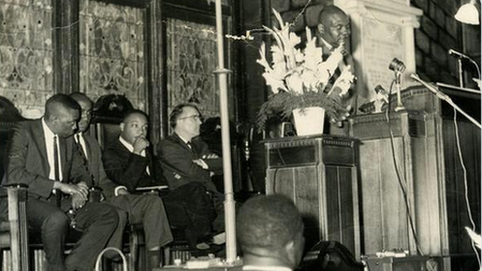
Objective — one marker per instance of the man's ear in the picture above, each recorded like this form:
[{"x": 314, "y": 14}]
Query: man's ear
[
  {"x": 290, "y": 249},
  {"x": 321, "y": 28},
  {"x": 121, "y": 127}
]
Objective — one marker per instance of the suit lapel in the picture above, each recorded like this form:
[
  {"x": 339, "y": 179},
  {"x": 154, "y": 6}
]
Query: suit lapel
[
  {"x": 39, "y": 139},
  {"x": 179, "y": 140}
]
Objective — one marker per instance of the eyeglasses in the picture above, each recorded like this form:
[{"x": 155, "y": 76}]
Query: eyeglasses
[{"x": 194, "y": 117}]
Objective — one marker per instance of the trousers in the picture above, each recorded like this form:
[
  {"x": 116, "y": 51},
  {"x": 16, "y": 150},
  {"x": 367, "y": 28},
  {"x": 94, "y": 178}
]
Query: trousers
[
  {"x": 148, "y": 210},
  {"x": 97, "y": 222},
  {"x": 190, "y": 207}
]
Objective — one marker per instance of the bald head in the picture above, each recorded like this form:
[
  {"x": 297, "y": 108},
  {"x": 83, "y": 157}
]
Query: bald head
[
  {"x": 61, "y": 114},
  {"x": 334, "y": 26}
]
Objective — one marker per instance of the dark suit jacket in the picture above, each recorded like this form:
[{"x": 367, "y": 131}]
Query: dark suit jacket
[
  {"x": 177, "y": 162},
  {"x": 96, "y": 167},
  {"x": 129, "y": 169},
  {"x": 27, "y": 160}
]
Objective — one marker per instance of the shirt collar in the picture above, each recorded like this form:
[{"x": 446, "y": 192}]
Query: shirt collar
[
  {"x": 327, "y": 45},
  {"x": 130, "y": 147},
  {"x": 265, "y": 268},
  {"x": 126, "y": 144},
  {"x": 182, "y": 138},
  {"x": 78, "y": 136},
  {"x": 47, "y": 132}
]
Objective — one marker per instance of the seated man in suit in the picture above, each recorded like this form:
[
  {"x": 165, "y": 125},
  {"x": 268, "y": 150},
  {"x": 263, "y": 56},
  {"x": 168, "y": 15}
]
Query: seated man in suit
[
  {"x": 42, "y": 155},
  {"x": 147, "y": 209},
  {"x": 186, "y": 159},
  {"x": 270, "y": 233},
  {"x": 129, "y": 162}
]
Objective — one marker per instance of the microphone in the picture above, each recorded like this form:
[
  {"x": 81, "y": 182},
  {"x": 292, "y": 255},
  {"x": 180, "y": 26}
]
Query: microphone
[
  {"x": 398, "y": 67},
  {"x": 460, "y": 55},
  {"x": 454, "y": 53},
  {"x": 382, "y": 92}
]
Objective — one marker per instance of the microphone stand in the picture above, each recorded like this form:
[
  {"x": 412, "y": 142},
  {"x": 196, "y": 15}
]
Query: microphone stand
[
  {"x": 444, "y": 97},
  {"x": 399, "y": 106},
  {"x": 461, "y": 72}
]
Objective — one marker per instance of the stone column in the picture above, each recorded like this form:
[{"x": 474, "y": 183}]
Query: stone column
[{"x": 381, "y": 30}]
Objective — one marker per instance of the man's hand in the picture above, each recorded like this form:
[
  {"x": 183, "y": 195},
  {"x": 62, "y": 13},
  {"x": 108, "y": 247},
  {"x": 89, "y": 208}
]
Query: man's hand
[
  {"x": 72, "y": 189},
  {"x": 122, "y": 191},
  {"x": 201, "y": 163},
  {"x": 140, "y": 144},
  {"x": 210, "y": 156},
  {"x": 77, "y": 201}
]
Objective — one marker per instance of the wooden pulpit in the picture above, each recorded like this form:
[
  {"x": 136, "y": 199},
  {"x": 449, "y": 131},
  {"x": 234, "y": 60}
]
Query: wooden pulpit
[
  {"x": 422, "y": 207},
  {"x": 320, "y": 174}
]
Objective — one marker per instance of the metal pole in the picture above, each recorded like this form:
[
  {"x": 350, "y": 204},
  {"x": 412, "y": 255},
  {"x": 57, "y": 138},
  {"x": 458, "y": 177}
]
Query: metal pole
[
  {"x": 446, "y": 98},
  {"x": 461, "y": 73},
  {"x": 229, "y": 203}
]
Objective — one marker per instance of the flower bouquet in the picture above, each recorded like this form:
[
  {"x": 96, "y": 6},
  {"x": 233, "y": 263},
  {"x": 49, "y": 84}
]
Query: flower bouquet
[{"x": 300, "y": 79}]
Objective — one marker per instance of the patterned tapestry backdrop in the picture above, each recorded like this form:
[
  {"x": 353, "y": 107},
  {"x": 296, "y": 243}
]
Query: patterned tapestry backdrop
[
  {"x": 26, "y": 71},
  {"x": 112, "y": 52},
  {"x": 191, "y": 60}
]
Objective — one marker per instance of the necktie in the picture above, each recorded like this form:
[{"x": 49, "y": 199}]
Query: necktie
[
  {"x": 81, "y": 150},
  {"x": 56, "y": 160},
  {"x": 85, "y": 160},
  {"x": 57, "y": 192}
]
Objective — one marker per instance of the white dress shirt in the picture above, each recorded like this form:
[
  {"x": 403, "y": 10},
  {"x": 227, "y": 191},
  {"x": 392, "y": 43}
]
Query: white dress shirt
[{"x": 49, "y": 143}]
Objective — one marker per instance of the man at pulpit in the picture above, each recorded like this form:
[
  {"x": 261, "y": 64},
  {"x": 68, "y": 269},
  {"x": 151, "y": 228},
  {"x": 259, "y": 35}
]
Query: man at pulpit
[
  {"x": 333, "y": 31},
  {"x": 270, "y": 233}
]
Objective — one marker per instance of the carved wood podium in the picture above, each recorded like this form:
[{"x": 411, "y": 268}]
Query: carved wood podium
[
  {"x": 427, "y": 157},
  {"x": 320, "y": 174}
]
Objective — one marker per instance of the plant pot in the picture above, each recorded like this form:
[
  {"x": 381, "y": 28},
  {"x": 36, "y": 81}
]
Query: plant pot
[{"x": 309, "y": 120}]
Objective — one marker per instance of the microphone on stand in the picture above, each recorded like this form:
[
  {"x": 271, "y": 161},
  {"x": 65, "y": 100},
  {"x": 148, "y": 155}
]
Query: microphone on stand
[
  {"x": 382, "y": 92},
  {"x": 452, "y": 52},
  {"x": 460, "y": 55},
  {"x": 444, "y": 97},
  {"x": 398, "y": 67}
]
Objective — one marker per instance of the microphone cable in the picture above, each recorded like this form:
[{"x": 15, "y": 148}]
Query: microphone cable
[
  {"x": 399, "y": 177},
  {"x": 466, "y": 192}
]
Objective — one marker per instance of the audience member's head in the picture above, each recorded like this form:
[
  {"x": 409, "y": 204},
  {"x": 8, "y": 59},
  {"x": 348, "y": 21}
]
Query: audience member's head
[
  {"x": 334, "y": 26},
  {"x": 270, "y": 232},
  {"x": 61, "y": 115},
  {"x": 330, "y": 256},
  {"x": 134, "y": 124},
  {"x": 86, "y": 110},
  {"x": 186, "y": 120}
]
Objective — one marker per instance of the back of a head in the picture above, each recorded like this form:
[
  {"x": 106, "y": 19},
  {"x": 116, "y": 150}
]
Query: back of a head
[
  {"x": 59, "y": 102},
  {"x": 268, "y": 222},
  {"x": 79, "y": 96},
  {"x": 330, "y": 256}
]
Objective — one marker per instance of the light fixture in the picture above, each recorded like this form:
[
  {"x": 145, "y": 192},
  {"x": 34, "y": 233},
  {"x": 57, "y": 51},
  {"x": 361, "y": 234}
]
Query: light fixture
[{"x": 468, "y": 13}]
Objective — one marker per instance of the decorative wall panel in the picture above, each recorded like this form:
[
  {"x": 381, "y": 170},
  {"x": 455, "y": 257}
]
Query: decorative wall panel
[
  {"x": 26, "y": 66},
  {"x": 112, "y": 51},
  {"x": 191, "y": 60}
]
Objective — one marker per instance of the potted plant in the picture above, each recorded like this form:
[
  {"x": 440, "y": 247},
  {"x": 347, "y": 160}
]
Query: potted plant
[{"x": 300, "y": 81}]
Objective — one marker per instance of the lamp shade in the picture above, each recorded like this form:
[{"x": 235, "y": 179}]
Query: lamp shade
[{"x": 468, "y": 14}]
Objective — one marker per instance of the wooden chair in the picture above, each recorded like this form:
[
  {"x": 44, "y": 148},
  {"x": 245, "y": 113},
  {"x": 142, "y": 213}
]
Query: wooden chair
[
  {"x": 13, "y": 198},
  {"x": 13, "y": 228}
]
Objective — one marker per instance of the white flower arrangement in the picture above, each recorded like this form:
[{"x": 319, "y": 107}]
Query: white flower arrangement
[{"x": 300, "y": 78}]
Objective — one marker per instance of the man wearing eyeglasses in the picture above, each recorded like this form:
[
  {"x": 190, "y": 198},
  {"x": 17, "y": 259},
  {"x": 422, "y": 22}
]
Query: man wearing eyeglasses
[
  {"x": 129, "y": 162},
  {"x": 186, "y": 160},
  {"x": 184, "y": 156}
]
